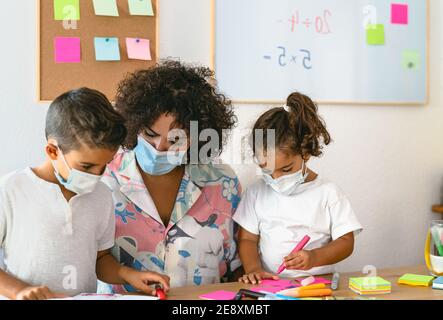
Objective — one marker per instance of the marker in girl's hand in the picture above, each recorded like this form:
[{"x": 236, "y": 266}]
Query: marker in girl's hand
[
  {"x": 160, "y": 293},
  {"x": 299, "y": 247}
]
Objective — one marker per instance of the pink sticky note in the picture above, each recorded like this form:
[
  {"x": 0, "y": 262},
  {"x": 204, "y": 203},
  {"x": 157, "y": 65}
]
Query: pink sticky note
[
  {"x": 219, "y": 295},
  {"x": 318, "y": 280},
  {"x": 67, "y": 50},
  {"x": 138, "y": 49},
  {"x": 270, "y": 289},
  {"x": 399, "y": 13},
  {"x": 276, "y": 283}
]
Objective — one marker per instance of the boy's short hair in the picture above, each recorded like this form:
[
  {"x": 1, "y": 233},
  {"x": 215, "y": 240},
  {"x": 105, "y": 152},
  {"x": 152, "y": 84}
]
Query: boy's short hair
[{"x": 84, "y": 116}]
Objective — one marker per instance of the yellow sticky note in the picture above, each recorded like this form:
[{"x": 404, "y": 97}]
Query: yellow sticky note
[
  {"x": 375, "y": 34},
  {"x": 140, "y": 7},
  {"x": 106, "y": 8},
  {"x": 411, "y": 60}
]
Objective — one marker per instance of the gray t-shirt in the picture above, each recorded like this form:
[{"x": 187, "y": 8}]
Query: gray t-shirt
[{"x": 49, "y": 241}]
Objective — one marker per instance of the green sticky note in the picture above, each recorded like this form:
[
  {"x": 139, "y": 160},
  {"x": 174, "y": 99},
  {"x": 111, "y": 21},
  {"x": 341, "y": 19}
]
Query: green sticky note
[
  {"x": 375, "y": 34},
  {"x": 410, "y": 60},
  {"x": 140, "y": 7},
  {"x": 66, "y": 10},
  {"x": 369, "y": 281},
  {"x": 416, "y": 278},
  {"x": 106, "y": 8}
]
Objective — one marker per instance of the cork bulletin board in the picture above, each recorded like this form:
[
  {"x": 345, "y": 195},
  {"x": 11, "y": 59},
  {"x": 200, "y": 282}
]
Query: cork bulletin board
[{"x": 55, "y": 78}]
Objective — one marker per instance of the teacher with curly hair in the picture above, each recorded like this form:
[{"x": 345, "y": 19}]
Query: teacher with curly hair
[{"x": 174, "y": 216}]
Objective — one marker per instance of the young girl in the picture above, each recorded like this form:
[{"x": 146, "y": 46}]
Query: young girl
[{"x": 292, "y": 201}]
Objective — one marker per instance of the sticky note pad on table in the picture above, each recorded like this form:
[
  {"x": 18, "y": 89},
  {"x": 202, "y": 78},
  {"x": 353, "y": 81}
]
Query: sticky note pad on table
[
  {"x": 438, "y": 283},
  {"x": 416, "y": 280},
  {"x": 67, "y": 50},
  {"x": 369, "y": 285},
  {"x": 399, "y": 13},
  {"x": 375, "y": 34},
  {"x": 66, "y": 10},
  {"x": 410, "y": 60},
  {"x": 140, "y": 7},
  {"x": 107, "y": 49},
  {"x": 106, "y": 8},
  {"x": 138, "y": 49},
  {"x": 219, "y": 295}
]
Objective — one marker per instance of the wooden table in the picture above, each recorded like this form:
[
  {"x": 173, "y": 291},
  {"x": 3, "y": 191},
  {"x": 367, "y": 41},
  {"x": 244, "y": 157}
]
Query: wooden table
[{"x": 399, "y": 292}]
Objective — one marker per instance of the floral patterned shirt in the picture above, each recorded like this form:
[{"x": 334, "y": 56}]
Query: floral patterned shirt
[{"x": 197, "y": 246}]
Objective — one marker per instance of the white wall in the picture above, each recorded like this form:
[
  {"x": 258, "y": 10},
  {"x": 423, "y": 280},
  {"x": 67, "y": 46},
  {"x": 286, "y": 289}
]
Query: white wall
[{"x": 389, "y": 160}]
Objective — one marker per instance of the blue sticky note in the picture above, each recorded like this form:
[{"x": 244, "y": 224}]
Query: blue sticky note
[{"x": 107, "y": 49}]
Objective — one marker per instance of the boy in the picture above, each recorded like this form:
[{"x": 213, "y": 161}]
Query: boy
[{"x": 57, "y": 220}]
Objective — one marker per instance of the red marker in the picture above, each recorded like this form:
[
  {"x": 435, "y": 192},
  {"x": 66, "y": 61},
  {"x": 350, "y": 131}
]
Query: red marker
[
  {"x": 160, "y": 293},
  {"x": 299, "y": 247}
]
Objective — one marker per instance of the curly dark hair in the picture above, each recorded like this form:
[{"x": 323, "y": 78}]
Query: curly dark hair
[
  {"x": 171, "y": 87},
  {"x": 300, "y": 131}
]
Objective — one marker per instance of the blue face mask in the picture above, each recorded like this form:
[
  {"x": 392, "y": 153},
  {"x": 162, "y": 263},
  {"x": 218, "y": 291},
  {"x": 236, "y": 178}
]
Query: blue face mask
[{"x": 154, "y": 162}]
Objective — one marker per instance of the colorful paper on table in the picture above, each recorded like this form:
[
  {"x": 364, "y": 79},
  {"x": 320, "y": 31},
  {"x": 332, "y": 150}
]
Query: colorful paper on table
[
  {"x": 138, "y": 49},
  {"x": 107, "y": 49},
  {"x": 316, "y": 281},
  {"x": 438, "y": 283},
  {"x": 399, "y": 13},
  {"x": 140, "y": 8},
  {"x": 106, "y": 8},
  {"x": 66, "y": 10},
  {"x": 274, "y": 286},
  {"x": 219, "y": 295},
  {"x": 277, "y": 283},
  {"x": 416, "y": 280},
  {"x": 268, "y": 289},
  {"x": 67, "y": 50},
  {"x": 410, "y": 60},
  {"x": 375, "y": 34}
]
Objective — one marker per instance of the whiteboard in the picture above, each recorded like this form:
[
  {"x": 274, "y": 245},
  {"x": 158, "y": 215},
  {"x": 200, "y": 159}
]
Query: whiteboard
[{"x": 266, "y": 49}]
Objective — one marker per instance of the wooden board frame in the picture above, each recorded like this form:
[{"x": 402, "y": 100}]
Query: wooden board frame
[
  {"x": 39, "y": 79},
  {"x": 213, "y": 29}
]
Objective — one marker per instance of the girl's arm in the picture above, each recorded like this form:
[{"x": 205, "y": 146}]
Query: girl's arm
[
  {"x": 332, "y": 253},
  {"x": 248, "y": 251}
]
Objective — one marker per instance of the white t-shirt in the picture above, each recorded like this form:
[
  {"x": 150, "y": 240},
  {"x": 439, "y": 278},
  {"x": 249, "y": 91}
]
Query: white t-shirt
[
  {"x": 319, "y": 209},
  {"x": 48, "y": 241}
]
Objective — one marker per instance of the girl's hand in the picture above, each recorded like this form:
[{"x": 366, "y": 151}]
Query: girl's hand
[
  {"x": 141, "y": 280},
  {"x": 257, "y": 276},
  {"x": 302, "y": 260},
  {"x": 37, "y": 293}
]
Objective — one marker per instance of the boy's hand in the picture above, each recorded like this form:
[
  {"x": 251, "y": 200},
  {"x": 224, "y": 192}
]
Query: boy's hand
[
  {"x": 257, "y": 276},
  {"x": 37, "y": 293},
  {"x": 141, "y": 280},
  {"x": 302, "y": 260}
]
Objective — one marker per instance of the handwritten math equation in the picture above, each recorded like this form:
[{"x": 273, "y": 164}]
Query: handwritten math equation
[
  {"x": 320, "y": 23},
  {"x": 285, "y": 57}
]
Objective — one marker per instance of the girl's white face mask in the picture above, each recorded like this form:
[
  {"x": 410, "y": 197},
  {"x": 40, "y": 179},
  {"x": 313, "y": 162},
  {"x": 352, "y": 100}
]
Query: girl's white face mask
[
  {"x": 78, "y": 182},
  {"x": 287, "y": 184}
]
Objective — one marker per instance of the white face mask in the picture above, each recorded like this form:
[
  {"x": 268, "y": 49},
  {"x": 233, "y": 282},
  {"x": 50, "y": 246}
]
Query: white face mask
[
  {"x": 78, "y": 182},
  {"x": 287, "y": 184}
]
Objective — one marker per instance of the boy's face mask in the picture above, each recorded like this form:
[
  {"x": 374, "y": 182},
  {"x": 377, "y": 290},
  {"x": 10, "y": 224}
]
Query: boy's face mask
[
  {"x": 154, "y": 162},
  {"x": 288, "y": 184},
  {"x": 78, "y": 182}
]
